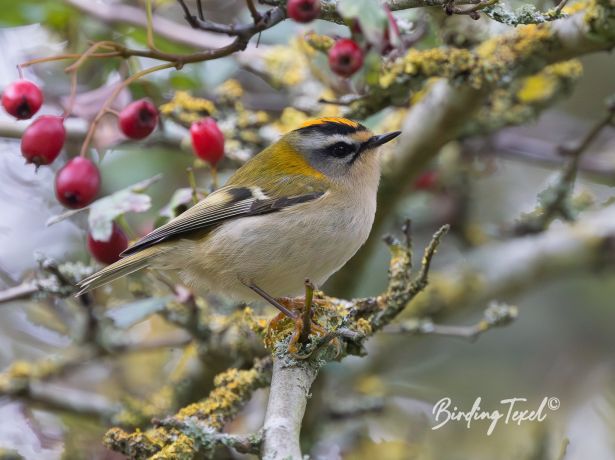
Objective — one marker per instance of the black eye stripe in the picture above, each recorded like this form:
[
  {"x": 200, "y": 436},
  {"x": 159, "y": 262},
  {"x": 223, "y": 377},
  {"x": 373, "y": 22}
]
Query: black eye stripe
[{"x": 341, "y": 149}]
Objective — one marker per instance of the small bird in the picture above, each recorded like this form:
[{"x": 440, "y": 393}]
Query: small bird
[{"x": 298, "y": 210}]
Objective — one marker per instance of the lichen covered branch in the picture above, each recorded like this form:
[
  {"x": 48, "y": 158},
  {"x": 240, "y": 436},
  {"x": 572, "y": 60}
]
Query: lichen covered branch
[{"x": 191, "y": 431}]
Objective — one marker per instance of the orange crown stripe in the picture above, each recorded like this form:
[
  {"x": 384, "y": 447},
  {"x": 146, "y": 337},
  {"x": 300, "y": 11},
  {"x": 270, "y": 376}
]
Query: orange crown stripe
[{"x": 325, "y": 120}]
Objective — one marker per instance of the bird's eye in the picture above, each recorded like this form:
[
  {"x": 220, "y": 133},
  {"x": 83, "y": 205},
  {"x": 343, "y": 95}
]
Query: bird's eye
[{"x": 341, "y": 149}]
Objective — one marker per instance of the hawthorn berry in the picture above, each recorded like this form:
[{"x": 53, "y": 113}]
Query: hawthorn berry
[
  {"x": 426, "y": 181},
  {"x": 345, "y": 57},
  {"x": 207, "y": 140},
  {"x": 22, "y": 99},
  {"x": 138, "y": 119},
  {"x": 43, "y": 140},
  {"x": 107, "y": 252},
  {"x": 77, "y": 183},
  {"x": 303, "y": 10}
]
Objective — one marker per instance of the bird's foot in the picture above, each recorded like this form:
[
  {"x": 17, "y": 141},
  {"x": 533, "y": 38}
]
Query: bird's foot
[
  {"x": 303, "y": 323},
  {"x": 299, "y": 311}
]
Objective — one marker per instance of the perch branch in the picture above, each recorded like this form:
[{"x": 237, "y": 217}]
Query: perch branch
[{"x": 290, "y": 389}]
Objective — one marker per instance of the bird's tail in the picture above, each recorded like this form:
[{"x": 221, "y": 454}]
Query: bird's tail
[{"x": 118, "y": 269}]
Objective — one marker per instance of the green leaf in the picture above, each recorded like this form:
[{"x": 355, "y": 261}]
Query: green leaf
[
  {"x": 132, "y": 313},
  {"x": 370, "y": 14}
]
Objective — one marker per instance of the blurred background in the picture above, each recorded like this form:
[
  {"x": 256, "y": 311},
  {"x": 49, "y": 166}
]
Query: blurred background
[{"x": 561, "y": 345}]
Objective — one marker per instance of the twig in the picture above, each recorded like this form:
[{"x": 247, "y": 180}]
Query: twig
[
  {"x": 149, "y": 27},
  {"x": 199, "y": 6},
  {"x": 253, "y": 11},
  {"x": 560, "y": 6},
  {"x": 111, "y": 99},
  {"x": 23, "y": 290},
  {"x": 556, "y": 199},
  {"x": 566, "y": 440},
  {"x": 430, "y": 252},
  {"x": 114, "y": 13},
  {"x": 192, "y": 182},
  {"x": 402, "y": 288},
  {"x": 343, "y": 101},
  {"x": 472, "y": 11},
  {"x": 175, "y": 341},
  {"x": 243, "y": 31},
  {"x": 496, "y": 315}
]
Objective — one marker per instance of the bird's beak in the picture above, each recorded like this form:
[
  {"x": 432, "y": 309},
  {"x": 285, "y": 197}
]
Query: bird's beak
[{"x": 377, "y": 141}]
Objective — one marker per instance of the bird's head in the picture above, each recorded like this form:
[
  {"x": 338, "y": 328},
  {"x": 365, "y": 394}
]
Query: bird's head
[{"x": 339, "y": 148}]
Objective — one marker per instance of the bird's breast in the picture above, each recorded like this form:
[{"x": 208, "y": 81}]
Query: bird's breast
[{"x": 278, "y": 251}]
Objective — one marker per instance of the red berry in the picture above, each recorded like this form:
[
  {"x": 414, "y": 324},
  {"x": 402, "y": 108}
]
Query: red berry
[
  {"x": 207, "y": 140},
  {"x": 107, "y": 252},
  {"x": 22, "y": 99},
  {"x": 303, "y": 10},
  {"x": 426, "y": 181},
  {"x": 138, "y": 119},
  {"x": 42, "y": 141},
  {"x": 345, "y": 57},
  {"x": 77, "y": 183}
]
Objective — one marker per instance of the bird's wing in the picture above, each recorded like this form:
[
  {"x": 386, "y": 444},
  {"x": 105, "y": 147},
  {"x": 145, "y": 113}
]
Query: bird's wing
[{"x": 226, "y": 203}]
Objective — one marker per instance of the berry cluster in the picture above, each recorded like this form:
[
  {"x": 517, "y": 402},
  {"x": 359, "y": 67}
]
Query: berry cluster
[
  {"x": 77, "y": 183},
  {"x": 346, "y": 56}
]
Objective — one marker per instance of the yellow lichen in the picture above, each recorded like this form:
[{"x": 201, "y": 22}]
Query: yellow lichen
[
  {"x": 363, "y": 326},
  {"x": 285, "y": 65},
  {"x": 319, "y": 42},
  {"x": 183, "y": 102},
  {"x": 370, "y": 385},
  {"x": 230, "y": 90},
  {"x": 542, "y": 86},
  {"x": 441, "y": 62},
  {"x": 230, "y": 389},
  {"x": 536, "y": 88},
  {"x": 574, "y": 7}
]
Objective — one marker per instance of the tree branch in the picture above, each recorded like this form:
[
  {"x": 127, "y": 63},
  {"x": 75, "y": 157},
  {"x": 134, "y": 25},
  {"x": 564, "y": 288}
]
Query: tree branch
[
  {"x": 117, "y": 13},
  {"x": 555, "y": 201},
  {"x": 290, "y": 389},
  {"x": 189, "y": 433},
  {"x": 496, "y": 315},
  {"x": 444, "y": 111},
  {"x": 531, "y": 261}
]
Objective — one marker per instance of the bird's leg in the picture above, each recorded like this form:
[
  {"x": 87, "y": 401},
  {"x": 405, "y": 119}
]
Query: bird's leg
[
  {"x": 272, "y": 301},
  {"x": 298, "y": 310}
]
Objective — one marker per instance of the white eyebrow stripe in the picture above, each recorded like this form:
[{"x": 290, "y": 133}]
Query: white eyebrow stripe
[{"x": 335, "y": 138}]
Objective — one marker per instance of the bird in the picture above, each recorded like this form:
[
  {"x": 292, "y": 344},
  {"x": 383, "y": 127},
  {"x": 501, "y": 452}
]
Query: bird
[{"x": 299, "y": 209}]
